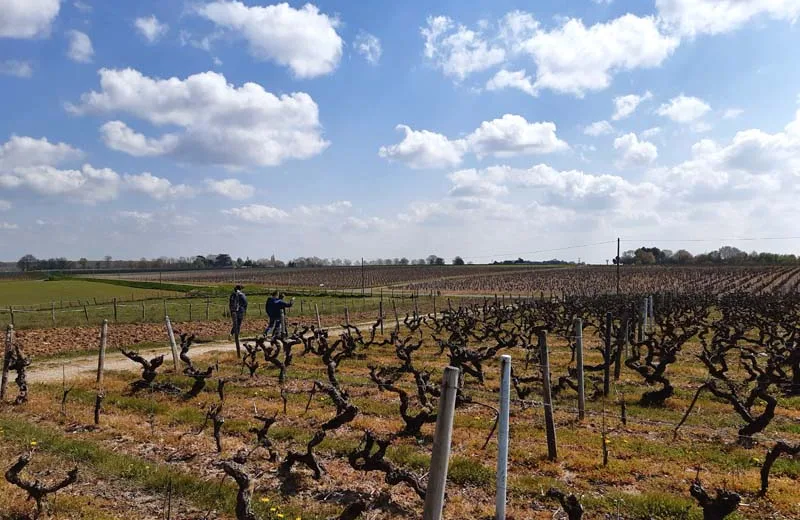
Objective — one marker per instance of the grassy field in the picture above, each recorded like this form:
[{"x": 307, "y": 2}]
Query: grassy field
[{"x": 43, "y": 292}]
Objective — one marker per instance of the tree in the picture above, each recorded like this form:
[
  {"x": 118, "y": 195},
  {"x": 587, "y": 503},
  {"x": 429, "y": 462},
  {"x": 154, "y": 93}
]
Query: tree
[
  {"x": 107, "y": 260},
  {"x": 458, "y": 261},
  {"x": 431, "y": 259},
  {"x": 83, "y": 262},
  {"x": 683, "y": 257},
  {"x": 438, "y": 261},
  {"x": 403, "y": 261},
  {"x": 644, "y": 257},
  {"x": 223, "y": 260},
  {"x": 27, "y": 263}
]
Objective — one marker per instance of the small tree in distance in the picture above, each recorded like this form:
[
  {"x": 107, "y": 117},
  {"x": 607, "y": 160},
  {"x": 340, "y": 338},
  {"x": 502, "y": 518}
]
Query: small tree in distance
[{"x": 458, "y": 261}]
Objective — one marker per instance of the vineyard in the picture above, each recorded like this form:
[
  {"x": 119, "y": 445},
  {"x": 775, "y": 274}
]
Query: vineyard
[{"x": 677, "y": 406}]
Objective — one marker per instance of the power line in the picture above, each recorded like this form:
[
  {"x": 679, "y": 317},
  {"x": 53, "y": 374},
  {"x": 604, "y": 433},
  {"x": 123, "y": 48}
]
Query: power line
[
  {"x": 729, "y": 239},
  {"x": 545, "y": 250}
]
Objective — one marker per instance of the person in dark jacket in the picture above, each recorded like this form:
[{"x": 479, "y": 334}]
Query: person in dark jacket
[
  {"x": 237, "y": 304},
  {"x": 275, "y": 307}
]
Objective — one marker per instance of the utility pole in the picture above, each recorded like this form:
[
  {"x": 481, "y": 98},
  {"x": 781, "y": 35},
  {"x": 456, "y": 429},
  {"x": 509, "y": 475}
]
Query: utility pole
[
  {"x": 362, "y": 276},
  {"x": 618, "y": 262}
]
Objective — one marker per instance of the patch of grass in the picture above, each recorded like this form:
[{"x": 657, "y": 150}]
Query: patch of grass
[
  {"x": 465, "y": 471},
  {"x": 408, "y": 457},
  {"x": 41, "y": 293}
]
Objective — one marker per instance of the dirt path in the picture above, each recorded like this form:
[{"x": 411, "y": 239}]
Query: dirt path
[{"x": 54, "y": 370}]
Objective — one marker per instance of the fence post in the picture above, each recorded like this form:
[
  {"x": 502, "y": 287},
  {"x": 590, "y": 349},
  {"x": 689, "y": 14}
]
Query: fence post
[
  {"x": 101, "y": 359},
  {"x": 607, "y": 356},
  {"x": 440, "y": 456},
  {"x": 208, "y": 303},
  {"x": 115, "y": 310},
  {"x": 549, "y": 423},
  {"x": 319, "y": 322},
  {"x": 165, "y": 308},
  {"x": 346, "y": 316},
  {"x": 502, "y": 437},
  {"x": 6, "y": 360},
  {"x": 579, "y": 361},
  {"x": 11, "y": 311},
  {"x": 86, "y": 313},
  {"x": 143, "y": 315},
  {"x": 190, "y": 311},
  {"x": 644, "y": 318},
  {"x": 622, "y": 344},
  {"x": 650, "y": 305},
  {"x": 396, "y": 317},
  {"x": 172, "y": 344},
  {"x": 53, "y": 313},
  {"x": 380, "y": 312}
]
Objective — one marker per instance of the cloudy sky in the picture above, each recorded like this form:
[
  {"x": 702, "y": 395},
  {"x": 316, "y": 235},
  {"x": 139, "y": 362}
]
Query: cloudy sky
[{"x": 385, "y": 129}]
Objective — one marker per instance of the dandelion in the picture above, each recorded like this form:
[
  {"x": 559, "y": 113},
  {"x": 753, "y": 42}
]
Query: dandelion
[
  {"x": 279, "y": 515},
  {"x": 273, "y": 509},
  {"x": 34, "y": 443},
  {"x": 264, "y": 499}
]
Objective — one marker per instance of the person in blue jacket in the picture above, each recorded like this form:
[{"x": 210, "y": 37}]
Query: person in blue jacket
[{"x": 275, "y": 307}]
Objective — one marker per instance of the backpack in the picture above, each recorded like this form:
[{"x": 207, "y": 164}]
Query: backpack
[{"x": 233, "y": 302}]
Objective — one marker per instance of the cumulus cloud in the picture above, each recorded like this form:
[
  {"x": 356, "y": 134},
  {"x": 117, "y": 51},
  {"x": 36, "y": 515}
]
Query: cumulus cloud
[
  {"x": 19, "y": 69},
  {"x": 334, "y": 208},
  {"x": 456, "y": 50},
  {"x": 158, "y": 188},
  {"x": 150, "y": 28},
  {"x": 424, "y": 149},
  {"x": 624, "y": 106},
  {"x": 507, "y": 136},
  {"x": 80, "y": 47},
  {"x": 27, "y": 18},
  {"x": 369, "y": 46},
  {"x": 694, "y": 17},
  {"x": 305, "y": 40},
  {"x": 221, "y": 124},
  {"x": 634, "y": 152},
  {"x": 513, "y": 135},
  {"x": 598, "y": 128},
  {"x": 512, "y": 79},
  {"x": 257, "y": 214},
  {"x": 230, "y": 188},
  {"x": 82, "y": 6},
  {"x": 22, "y": 151},
  {"x": 651, "y": 132},
  {"x": 684, "y": 109}
]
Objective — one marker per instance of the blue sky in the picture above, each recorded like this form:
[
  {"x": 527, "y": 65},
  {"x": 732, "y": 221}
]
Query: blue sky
[{"x": 383, "y": 129}]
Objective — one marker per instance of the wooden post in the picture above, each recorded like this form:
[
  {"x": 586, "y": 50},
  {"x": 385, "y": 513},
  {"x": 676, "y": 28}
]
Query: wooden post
[
  {"x": 190, "y": 311},
  {"x": 440, "y": 457},
  {"x": 319, "y": 322},
  {"x": 622, "y": 344},
  {"x": 301, "y": 308},
  {"x": 396, "y": 317},
  {"x": 434, "y": 306},
  {"x": 6, "y": 360},
  {"x": 143, "y": 315},
  {"x": 380, "y": 312},
  {"x": 101, "y": 359},
  {"x": 644, "y": 320},
  {"x": 115, "y": 310},
  {"x": 165, "y": 308},
  {"x": 53, "y": 313},
  {"x": 86, "y": 313},
  {"x": 172, "y": 344},
  {"x": 549, "y": 423},
  {"x": 346, "y": 316},
  {"x": 607, "y": 356},
  {"x": 579, "y": 362},
  {"x": 11, "y": 311}
]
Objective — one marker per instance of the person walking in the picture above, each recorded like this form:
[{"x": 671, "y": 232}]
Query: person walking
[
  {"x": 275, "y": 307},
  {"x": 237, "y": 304}
]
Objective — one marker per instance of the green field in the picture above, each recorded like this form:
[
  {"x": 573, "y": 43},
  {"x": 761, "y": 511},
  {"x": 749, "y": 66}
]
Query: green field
[{"x": 43, "y": 292}]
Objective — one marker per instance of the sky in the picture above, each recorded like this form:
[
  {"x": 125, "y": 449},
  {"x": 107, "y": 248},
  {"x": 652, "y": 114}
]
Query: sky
[{"x": 489, "y": 130}]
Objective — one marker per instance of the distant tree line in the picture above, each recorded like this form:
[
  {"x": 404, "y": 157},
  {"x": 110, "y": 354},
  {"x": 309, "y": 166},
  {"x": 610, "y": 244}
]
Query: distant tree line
[
  {"x": 726, "y": 255},
  {"x": 520, "y": 261}
]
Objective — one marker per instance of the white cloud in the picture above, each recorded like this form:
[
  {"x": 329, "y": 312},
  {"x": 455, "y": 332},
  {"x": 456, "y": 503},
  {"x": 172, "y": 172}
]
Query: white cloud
[
  {"x": 424, "y": 149},
  {"x": 512, "y": 135},
  {"x": 456, "y": 50},
  {"x": 624, "y": 106},
  {"x": 693, "y": 17},
  {"x": 139, "y": 216},
  {"x": 222, "y": 124},
  {"x": 633, "y": 152},
  {"x": 87, "y": 184},
  {"x": 5, "y": 205},
  {"x": 469, "y": 183},
  {"x": 82, "y": 6},
  {"x": 257, "y": 214},
  {"x": 19, "y": 69},
  {"x": 230, "y": 188},
  {"x": 575, "y": 59},
  {"x": 150, "y": 28},
  {"x": 511, "y": 79},
  {"x": 21, "y": 151},
  {"x": 684, "y": 109},
  {"x": 651, "y": 132},
  {"x": 304, "y": 39},
  {"x": 27, "y": 18},
  {"x": 80, "y": 47},
  {"x": 732, "y": 113},
  {"x": 506, "y": 136},
  {"x": 8, "y": 226},
  {"x": 599, "y": 128},
  {"x": 158, "y": 188},
  {"x": 369, "y": 46}
]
